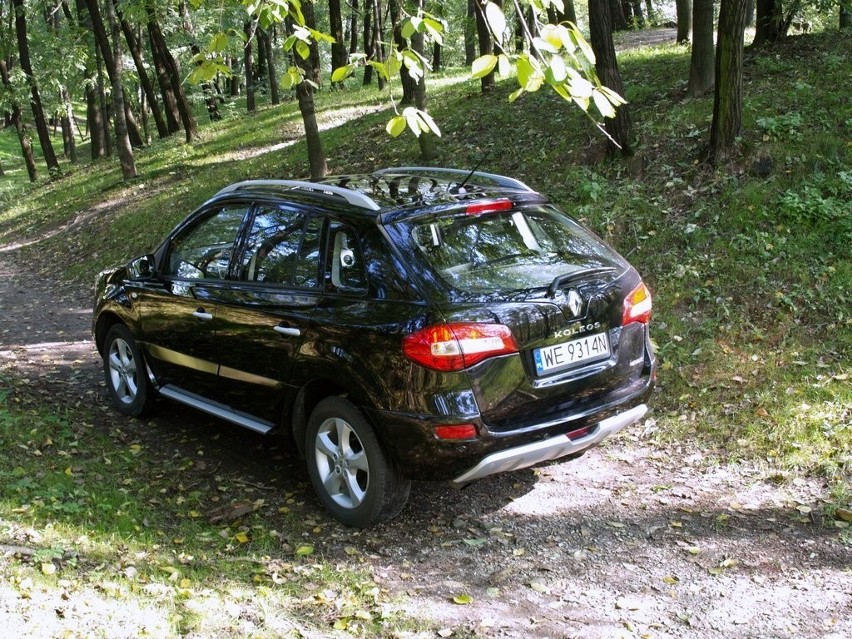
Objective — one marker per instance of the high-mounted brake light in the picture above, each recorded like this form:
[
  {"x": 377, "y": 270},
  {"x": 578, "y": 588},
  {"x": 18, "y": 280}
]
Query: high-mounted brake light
[
  {"x": 492, "y": 206},
  {"x": 637, "y": 306},
  {"x": 455, "y": 346}
]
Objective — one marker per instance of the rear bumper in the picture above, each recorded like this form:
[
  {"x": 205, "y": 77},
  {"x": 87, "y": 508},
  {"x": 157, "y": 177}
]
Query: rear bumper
[{"x": 548, "y": 449}]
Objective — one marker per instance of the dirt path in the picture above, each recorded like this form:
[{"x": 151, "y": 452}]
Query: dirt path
[{"x": 633, "y": 539}]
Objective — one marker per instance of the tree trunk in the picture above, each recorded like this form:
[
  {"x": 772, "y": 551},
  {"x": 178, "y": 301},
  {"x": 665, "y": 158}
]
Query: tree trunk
[
  {"x": 368, "y": 47},
  {"x": 248, "y": 66},
  {"x": 172, "y": 73},
  {"x": 767, "y": 26},
  {"x": 144, "y": 81},
  {"x": 684, "y": 20},
  {"x": 353, "y": 28},
  {"x": 35, "y": 97},
  {"x": 701, "y": 70},
  {"x": 210, "y": 98},
  {"x": 470, "y": 38},
  {"x": 20, "y": 127},
  {"x": 113, "y": 61},
  {"x": 600, "y": 28},
  {"x": 409, "y": 86},
  {"x": 728, "y": 100},
  {"x": 170, "y": 108},
  {"x": 305, "y": 95},
  {"x": 486, "y": 44},
  {"x": 649, "y": 9},
  {"x": 426, "y": 139},
  {"x": 845, "y": 16},
  {"x": 617, "y": 20},
  {"x": 339, "y": 54},
  {"x": 274, "y": 93},
  {"x": 637, "y": 14},
  {"x": 68, "y": 142}
]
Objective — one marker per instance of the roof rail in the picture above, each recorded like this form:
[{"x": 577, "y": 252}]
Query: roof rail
[
  {"x": 352, "y": 197},
  {"x": 499, "y": 180}
]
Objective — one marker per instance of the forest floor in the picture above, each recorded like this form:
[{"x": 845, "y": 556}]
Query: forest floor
[{"x": 632, "y": 540}]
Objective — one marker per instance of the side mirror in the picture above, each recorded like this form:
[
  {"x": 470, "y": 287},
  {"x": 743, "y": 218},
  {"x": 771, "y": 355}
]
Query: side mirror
[{"x": 141, "y": 268}]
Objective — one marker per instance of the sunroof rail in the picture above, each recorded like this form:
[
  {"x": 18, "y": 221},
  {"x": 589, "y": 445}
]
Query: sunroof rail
[
  {"x": 499, "y": 180},
  {"x": 354, "y": 198}
]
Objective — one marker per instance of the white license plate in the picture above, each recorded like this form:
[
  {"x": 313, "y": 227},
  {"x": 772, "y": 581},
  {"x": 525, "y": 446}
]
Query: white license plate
[{"x": 567, "y": 354}]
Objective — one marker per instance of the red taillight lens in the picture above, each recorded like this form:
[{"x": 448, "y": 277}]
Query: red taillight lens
[
  {"x": 456, "y": 431},
  {"x": 492, "y": 206},
  {"x": 455, "y": 346},
  {"x": 637, "y": 306}
]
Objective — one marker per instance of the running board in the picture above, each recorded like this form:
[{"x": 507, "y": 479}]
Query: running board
[{"x": 216, "y": 409}]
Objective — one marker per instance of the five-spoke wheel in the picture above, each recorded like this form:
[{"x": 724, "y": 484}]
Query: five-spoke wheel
[
  {"x": 350, "y": 472},
  {"x": 124, "y": 371}
]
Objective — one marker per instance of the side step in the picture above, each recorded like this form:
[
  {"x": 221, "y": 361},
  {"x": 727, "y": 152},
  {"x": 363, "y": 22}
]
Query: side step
[{"x": 216, "y": 409}]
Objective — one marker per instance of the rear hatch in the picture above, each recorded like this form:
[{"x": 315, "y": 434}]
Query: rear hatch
[{"x": 574, "y": 347}]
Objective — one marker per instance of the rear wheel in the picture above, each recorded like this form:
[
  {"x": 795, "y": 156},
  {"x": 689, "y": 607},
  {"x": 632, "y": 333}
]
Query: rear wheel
[
  {"x": 124, "y": 371},
  {"x": 350, "y": 472}
]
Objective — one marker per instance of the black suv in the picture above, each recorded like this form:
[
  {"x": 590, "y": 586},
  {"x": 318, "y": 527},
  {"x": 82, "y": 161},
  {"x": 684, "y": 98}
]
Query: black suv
[{"x": 415, "y": 323}]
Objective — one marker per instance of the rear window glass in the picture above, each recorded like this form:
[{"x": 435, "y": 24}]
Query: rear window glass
[{"x": 508, "y": 250}]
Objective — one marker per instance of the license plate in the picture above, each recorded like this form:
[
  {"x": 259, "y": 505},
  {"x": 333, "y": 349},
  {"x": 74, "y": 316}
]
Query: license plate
[{"x": 568, "y": 354}]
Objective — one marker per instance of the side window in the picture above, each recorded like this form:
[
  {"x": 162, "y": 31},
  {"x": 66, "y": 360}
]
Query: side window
[
  {"x": 205, "y": 250},
  {"x": 282, "y": 248},
  {"x": 347, "y": 260}
]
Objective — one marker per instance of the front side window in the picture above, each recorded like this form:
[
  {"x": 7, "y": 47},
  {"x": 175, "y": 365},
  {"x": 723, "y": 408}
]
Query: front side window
[{"x": 204, "y": 251}]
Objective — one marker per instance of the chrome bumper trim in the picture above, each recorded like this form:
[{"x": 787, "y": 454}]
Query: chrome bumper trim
[{"x": 553, "y": 448}]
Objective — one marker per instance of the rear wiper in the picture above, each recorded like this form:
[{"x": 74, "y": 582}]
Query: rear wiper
[{"x": 562, "y": 280}]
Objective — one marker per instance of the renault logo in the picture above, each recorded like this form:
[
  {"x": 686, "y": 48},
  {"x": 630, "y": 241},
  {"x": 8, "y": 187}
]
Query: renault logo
[{"x": 575, "y": 302}]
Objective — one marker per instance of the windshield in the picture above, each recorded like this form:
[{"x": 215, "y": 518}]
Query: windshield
[{"x": 509, "y": 250}]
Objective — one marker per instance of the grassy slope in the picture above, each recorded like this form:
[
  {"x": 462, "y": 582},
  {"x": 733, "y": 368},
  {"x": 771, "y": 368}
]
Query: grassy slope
[{"x": 750, "y": 264}]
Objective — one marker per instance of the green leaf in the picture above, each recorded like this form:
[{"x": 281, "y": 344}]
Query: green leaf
[
  {"x": 396, "y": 126},
  {"x": 516, "y": 94},
  {"x": 434, "y": 28},
  {"x": 304, "y": 550},
  {"x": 303, "y": 49},
  {"x": 341, "y": 73},
  {"x": 558, "y": 71},
  {"x": 219, "y": 43},
  {"x": 483, "y": 65},
  {"x": 408, "y": 29},
  {"x": 462, "y": 600},
  {"x": 429, "y": 122}
]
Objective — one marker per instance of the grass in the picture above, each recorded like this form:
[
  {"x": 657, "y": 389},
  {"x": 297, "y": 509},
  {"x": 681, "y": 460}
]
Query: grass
[{"x": 749, "y": 264}]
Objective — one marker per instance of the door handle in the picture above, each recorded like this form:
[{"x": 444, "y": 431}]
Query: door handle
[
  {"x": 202, "y": 315},
  {"x": 287, "y": 330}
]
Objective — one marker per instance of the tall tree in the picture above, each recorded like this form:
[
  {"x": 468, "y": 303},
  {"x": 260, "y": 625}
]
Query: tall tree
[
  {"x": 112, "y": 58},
  {"x": 606, "y": 65},
  {"x": 486, "y": 43},
  {"x": 339, "y": 54},
  {"x": 728, "y": 99},
  {"x": 35, "y": 99},
  {"x": 20, "y": 126},
  {"x": 767, "y": 26},
  {"x": 210, "y": 97},
  {"x": 168, "y": 71},
  {"x": 701, "y": 65},
  {"x": 426, "y": 139},
  {"x": 409, "y": 85},
  {"x": 845, "y": 15},
  {"x": 144, "y": 81},
  {"x": 305, "y": 96},
  {"x": 684, "y": 20},
  {"x": 248, "y": 65}
]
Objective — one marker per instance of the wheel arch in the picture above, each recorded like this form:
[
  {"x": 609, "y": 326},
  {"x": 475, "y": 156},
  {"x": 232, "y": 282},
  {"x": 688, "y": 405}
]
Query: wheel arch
[{"x": 104, "y": 323}]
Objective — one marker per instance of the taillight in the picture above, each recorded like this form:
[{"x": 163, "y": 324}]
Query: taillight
[
  {"x": 455, "y": 346},
  {"x": 637, "y": 306},
  {"x": 490, "y": 206}
]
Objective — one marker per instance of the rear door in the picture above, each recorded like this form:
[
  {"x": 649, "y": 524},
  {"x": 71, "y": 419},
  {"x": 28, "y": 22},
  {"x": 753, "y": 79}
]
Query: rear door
[{"x": 264, "y": 321}]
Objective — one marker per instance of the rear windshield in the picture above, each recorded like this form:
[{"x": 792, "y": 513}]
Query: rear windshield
[{"x": 509, "y": 250}]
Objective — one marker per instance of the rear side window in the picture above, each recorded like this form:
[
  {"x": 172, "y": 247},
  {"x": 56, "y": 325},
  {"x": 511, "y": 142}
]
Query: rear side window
[{"x": 508, "y": 250}]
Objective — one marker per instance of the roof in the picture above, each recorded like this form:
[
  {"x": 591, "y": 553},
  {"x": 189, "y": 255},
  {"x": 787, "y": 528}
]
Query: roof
[{"x": 395, "y": 188}]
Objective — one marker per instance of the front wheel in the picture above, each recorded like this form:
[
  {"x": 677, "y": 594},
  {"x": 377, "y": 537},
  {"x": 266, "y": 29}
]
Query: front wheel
[
  {"x": 351, "y": 474},
  {"x": 124, "y": 371}
]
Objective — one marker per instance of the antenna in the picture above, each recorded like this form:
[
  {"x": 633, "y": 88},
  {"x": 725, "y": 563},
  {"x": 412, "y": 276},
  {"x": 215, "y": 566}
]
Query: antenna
[{"x": 470, "y": 175}]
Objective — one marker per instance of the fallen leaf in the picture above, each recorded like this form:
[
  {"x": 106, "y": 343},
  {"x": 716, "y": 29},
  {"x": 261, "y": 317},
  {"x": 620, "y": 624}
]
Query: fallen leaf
[
  {"x": 462, "y": 600},
  {"x": 304, "y": 550},
  {"x": 843, "y": 513},
  {"x": 539, "y": 587}
]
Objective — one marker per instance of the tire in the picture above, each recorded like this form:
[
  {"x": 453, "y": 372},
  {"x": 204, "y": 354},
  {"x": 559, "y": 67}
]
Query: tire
[
  {"x": 351, "y": 474},
  {"x": 125, "y": 372}
]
